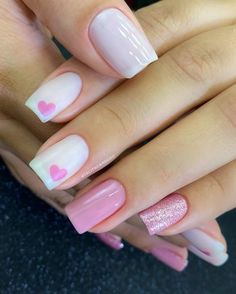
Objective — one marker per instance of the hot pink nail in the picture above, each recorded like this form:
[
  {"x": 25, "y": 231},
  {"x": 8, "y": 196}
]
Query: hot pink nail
[
  {"x": 170, "y": 258},
  {"x": 111, "y": 240},
  {"x": 96, "y": 205},
  {"x": 165, "y": 213}
]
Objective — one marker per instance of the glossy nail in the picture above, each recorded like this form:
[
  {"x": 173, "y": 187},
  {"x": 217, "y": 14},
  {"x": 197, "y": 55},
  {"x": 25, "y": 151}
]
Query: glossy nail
[
  {"x": 165, "y": 213},
  {"x": 217, "y": 259},
  {"x": 55, "y": 95},
  {"x": 170, "y": 258},
  {"x": 95, "y": 205},
  {"x": 120, "y": 42},
  {"x": 60, "y": 161},
  {"x": 203, "y": 242},
  {"x": 111, "y": 240}
]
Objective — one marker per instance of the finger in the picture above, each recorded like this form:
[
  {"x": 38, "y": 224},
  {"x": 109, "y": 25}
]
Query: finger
[
  {"x": 103, "y": 34},
  {"x": 171, "y": 255},
  {"x": 190, "y": 149},
  {"x": 89, "y": 86},
  {"x": 151, "y": 108}
]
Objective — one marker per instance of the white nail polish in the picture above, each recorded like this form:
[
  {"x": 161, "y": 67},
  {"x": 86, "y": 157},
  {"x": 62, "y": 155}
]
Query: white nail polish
[
  {"x": 217, "y": 260},
  {"x": 55, "y": 95},
  {"x": 120, "y": 42},
  {"x": 204, "y": 242},
  {"x": 60, "y": 161}
]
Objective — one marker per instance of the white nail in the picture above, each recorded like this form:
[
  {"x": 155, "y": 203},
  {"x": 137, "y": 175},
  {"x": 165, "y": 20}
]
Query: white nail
[
  {"x": 204, "y": 242},
  {"x": 217, "y": 260},
  {"x": 61, "y": 161},
  {"x": 117, "y": 39},
  {"x": 55, "y": 95}
]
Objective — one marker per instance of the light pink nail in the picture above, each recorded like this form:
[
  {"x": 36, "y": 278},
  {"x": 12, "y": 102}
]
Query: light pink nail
[
  {"x": 111, "y": 240},
  {"x": 120, "y": 42},
  {"x": 170, "y": 258},
  {"x": 165, "y": 213},
  {"x": 95, "y": 205}
]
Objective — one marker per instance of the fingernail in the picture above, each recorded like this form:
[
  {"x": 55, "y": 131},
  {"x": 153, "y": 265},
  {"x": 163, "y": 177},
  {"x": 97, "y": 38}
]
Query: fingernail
[
  {"x": 61, "y": 161},
  {"x": 55, "y": 95},
  {"x": 111, "y": 240},
  {"x": 95, "y": 205},
  {"x": 170, "y": 258},
  {"x": 217, "y": 259},
  {"x": 165, "y": 213},
  {"x": 203, "y": 242},
  {"x": 120, "y": 42}
]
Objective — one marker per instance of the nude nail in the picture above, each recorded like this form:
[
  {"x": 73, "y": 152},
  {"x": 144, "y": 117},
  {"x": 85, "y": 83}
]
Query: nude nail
[
  {"x": 117, "y": 39},
  {"x": 62, "y": 160},
  {"x": 55, "y": 95}
]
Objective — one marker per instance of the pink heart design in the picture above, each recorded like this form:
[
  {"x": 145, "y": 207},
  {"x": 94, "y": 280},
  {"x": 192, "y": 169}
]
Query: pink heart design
[
  {"x": 45, "y": 108},
  {"x": 57, "y": 173}
]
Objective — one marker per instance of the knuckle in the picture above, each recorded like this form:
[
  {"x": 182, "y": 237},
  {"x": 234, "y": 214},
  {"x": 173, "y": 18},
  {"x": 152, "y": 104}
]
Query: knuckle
[{"x": 198, "y": 63}]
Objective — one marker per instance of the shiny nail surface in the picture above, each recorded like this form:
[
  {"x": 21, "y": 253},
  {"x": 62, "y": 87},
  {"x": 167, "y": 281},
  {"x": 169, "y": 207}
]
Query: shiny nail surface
[
  {"x": 165, "y": 213},
  {"x": 117, "y": 39},
  {"x": 170, "y": 258},
  {"x": 111, "y": 240},
  {"x": 60, "y": 161},
  {"x": 96, "y": 205},
  {"x": 55, "y": 95}
]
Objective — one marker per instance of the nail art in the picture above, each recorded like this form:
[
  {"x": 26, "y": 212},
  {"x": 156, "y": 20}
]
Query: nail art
[
  {"x": 95, "y": 205},
  {"x": 60, "y": 161},
  {"x": 216, "y": 259},
  {"x": 165, "y": 213},
  {"x": 111, "y": 240},
  {"x": 120, "y": 42},
  {"x": 203, "y": 242},
  {"x": 170, "y": 258},
  {"x": 55, "y": 95}
]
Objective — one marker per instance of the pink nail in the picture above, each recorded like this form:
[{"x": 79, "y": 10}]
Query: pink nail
[
  {"x": 95, "y": 205},
  {"x": 170, "y": 258},
  {"x": 120, "y": 42},
  {"x": 165, "y": 213},
  {"x": 111, "y": 240}
]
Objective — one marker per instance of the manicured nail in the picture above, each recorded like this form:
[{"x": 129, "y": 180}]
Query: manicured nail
[
  {"x": 165, "y": 213},
  {"x": 121, "y": 43},
  {"x": 203, "y": 242},
  {"x": 55, "y": 95},
  {"x": 95, "y": 205},
  {"x": 217, "y": 259},
  {"x": 60, "y": 161},
  {"x": 170, "y": 258},
  {"x": 111, "y": 240}
]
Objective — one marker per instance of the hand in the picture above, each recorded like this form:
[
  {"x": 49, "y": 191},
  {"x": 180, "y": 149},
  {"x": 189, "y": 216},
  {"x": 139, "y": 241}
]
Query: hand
[{"x": 173, "y": 159}]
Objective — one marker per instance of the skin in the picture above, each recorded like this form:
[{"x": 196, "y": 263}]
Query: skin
[{"x": 19, "y": 125}]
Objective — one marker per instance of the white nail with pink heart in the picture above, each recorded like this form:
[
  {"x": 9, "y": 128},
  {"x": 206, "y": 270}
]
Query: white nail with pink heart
[
  {"x": 60, "y": 161},
  {"x": 55, "y": 95}
]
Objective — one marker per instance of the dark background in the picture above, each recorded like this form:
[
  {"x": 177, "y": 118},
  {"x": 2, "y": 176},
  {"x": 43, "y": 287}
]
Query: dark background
[{"x": 40, "y": 253}]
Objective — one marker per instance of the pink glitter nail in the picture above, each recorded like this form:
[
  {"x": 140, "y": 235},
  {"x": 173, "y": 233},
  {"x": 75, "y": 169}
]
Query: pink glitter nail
[{"x": 165, "y": 213}]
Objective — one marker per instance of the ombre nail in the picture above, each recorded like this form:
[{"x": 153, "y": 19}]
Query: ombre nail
[
  {"x": 203, "y": 242},
  {"x": 170, "y": 258},
  {"x": 217, "y": 259},
  {"x": 96, "y": 205},
  {"x": 62, "y": 160},
  {"x": 111, "y": 240},
  {"x": 120, "y": 42},
  {"x": 164, "y": 214},
  {"x": 55, "y": 95}
]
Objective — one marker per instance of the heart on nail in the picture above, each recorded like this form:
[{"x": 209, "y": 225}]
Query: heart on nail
[
  {"x": 57, "y": 173},
  {"x": 45, "y": 108}
]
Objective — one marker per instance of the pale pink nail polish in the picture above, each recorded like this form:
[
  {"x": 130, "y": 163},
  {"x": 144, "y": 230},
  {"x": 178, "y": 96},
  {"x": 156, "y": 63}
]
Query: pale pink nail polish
[
  {"x": 120, "y": 42},
  {"x": 165, "y": 213},
  {"x": 170, "y": 258},
  {"x": 95, "y": 205},
  {"x": 111, "y": 240}
]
